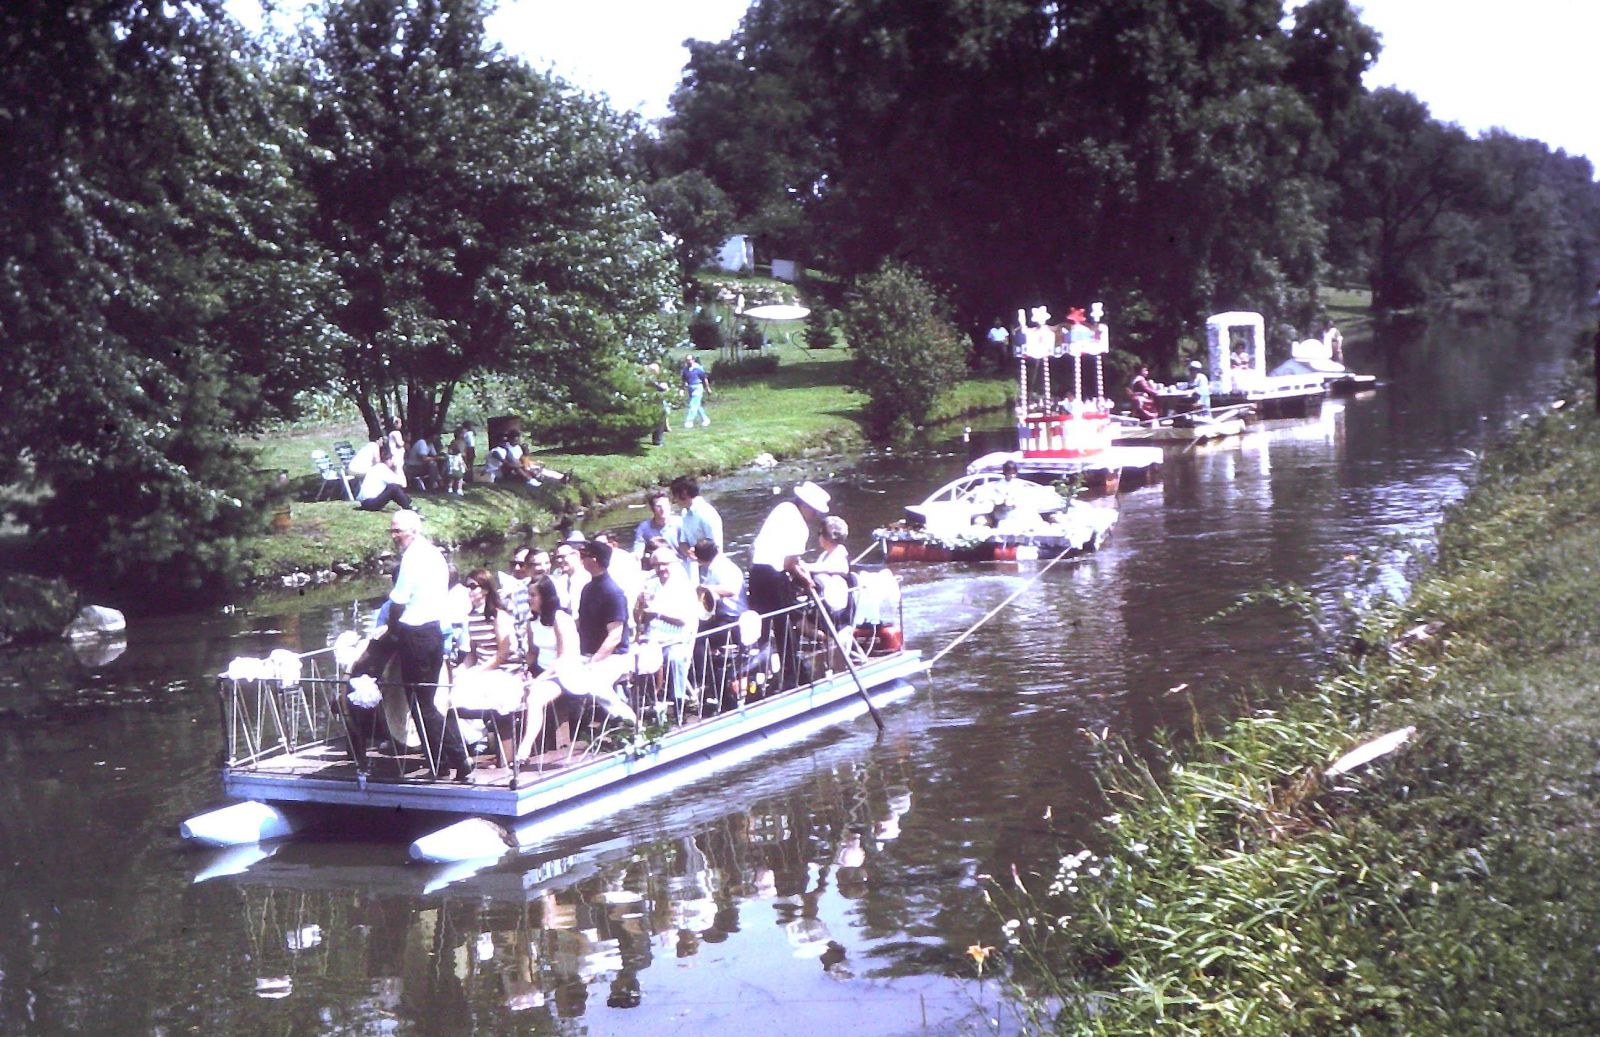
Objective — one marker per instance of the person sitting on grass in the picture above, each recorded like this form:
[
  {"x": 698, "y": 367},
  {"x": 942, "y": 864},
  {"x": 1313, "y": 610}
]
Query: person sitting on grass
[{"x": 383, "y": 482}]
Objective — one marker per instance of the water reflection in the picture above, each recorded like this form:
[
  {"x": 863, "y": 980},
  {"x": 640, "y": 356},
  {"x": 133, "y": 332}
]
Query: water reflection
[{"x": 781, "y": 888}]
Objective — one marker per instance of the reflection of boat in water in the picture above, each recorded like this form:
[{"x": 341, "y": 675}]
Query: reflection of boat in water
[
  {"x": 286, "y": 752},
  {"x": 986, "y": 517},
  {"x": 1183, "y": 429},
  {"x": 556, "y": 937}
]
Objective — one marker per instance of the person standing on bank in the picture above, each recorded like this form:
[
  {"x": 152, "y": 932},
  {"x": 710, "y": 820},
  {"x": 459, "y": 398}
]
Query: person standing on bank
[
  {"x": 696, "y": 382},
  {"x": 778, "y": 571},
  {"x": 417, "y": 603}
]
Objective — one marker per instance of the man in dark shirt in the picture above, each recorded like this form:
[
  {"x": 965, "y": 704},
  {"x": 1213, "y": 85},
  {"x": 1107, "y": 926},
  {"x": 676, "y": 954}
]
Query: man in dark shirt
[{"x": 602, "y": 607}]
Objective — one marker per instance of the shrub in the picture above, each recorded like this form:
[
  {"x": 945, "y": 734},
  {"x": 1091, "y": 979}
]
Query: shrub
[
  {"x": 704, "y": 331},
  {"x": 821, "y": 331},
  {"x": 907, "y": 350},
  {"x": 744, "y": 368}
]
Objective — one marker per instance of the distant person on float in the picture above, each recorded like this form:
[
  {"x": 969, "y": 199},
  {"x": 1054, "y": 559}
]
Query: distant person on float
[
  {"x": 1142, "y": 395},
  {"x": 697, "y": 383},
  {"x": 1200, "y": 385},
  {"x": 698, "y": 520},
  {"x": 1009, "y": 499},
  {"x": 1333, "y": 338}
]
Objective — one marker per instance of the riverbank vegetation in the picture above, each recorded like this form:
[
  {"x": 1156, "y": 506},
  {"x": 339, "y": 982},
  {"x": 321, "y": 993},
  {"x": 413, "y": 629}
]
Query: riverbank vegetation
[{"x": 1445, "y": 888}]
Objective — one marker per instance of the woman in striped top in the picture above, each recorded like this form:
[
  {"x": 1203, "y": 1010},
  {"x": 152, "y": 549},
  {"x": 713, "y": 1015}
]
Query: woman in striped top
[{"x": 491, "y": 680}]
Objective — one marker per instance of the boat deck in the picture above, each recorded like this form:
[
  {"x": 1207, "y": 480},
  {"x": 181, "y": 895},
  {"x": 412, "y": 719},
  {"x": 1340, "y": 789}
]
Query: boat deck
[{"x": 286, "y": 745}]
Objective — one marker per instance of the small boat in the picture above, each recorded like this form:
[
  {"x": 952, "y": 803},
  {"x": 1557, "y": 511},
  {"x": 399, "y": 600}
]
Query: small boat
[
  {"x": 984, "y": 517},
  {"x": 286, "y": 754},
  {"x": 1236, "y": 364},
  {"x": 1182, "y": 429},
  {"x": 1313, "y": 357}
]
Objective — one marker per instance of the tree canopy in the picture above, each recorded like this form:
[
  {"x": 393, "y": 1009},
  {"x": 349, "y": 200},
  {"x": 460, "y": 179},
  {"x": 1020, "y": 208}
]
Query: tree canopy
[
  {"x": 155, "y": 296},
  {"x": 1171, "y": 157},
  {"x": 479, "y": 220}
]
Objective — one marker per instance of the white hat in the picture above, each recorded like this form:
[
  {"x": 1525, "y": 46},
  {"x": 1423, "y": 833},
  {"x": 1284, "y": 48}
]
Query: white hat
[
  {"x": 1195, "y": 364},
  {"x": 812, "y": 496}
]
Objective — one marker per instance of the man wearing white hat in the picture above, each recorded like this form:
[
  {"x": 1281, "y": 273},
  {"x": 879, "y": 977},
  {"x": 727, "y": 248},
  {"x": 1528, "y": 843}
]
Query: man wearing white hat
[
  {"x": 1201, "y": 386},
  {"x": 777, "y": 571}
]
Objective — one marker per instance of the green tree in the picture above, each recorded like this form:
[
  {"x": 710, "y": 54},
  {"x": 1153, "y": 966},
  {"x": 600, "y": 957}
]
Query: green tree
[
  {"x": 155, "y": 298},
  {"x": 1021, "y": 152},
  {"x": 696, "y": 213},
  {"x": 481, "y": 223},
  {"x": 906, "y": 350}
]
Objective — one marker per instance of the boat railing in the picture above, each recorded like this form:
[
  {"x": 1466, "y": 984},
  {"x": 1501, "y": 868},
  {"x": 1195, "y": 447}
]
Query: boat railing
[
  {"x": 273, "y": 709},
  {"x": 295, "y": 718}
]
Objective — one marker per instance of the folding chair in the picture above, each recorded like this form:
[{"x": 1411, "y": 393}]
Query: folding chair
[
  {"x": 345, "y": 453},
  {"x": 331, "y": 474}
]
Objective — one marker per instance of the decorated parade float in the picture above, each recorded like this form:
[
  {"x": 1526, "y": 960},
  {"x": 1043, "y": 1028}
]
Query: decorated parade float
[
  {"x": 1017, "y": 505},
  {"x": 1068, "y": 438},
  {"x": 987, "y": 517},
  {"x": 1236, "y": 366}
]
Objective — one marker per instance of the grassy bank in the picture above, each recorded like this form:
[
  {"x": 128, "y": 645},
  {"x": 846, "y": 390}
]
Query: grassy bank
[
  {"x": 1447, "y": 888},
  {"x": 804, "y": 406}
]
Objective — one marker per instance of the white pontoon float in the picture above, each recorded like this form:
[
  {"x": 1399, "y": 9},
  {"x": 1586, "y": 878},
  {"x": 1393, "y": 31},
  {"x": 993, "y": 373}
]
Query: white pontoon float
[
  {"x": 984, "y": 517},
  {"x": 286, "y": 754}
]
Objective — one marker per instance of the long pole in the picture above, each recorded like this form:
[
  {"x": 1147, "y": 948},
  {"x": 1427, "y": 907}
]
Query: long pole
[{"x": 833, "y": 631}]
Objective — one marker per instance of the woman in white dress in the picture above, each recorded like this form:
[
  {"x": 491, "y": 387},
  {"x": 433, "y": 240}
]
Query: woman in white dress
[{"x": 552, "y": 639}]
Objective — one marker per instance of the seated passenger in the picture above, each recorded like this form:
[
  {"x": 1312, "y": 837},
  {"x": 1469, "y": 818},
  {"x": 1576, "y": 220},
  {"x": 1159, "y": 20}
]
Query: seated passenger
[
  {"x": 552, "y": 638},
  {"x": 668, "y": 614},
  {"x": 721, "y": 590},
  {"x": 489, "y": 683},
  {"x": 831, "y": 570}
]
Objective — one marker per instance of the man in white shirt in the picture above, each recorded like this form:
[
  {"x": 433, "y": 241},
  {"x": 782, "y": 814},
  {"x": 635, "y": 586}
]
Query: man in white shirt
[
  {"x": 778, "y": 570},
  {"x": 568, "y": 574},
  {"x": 668, "y": 615},
  {"x": 418, "y": 603}
]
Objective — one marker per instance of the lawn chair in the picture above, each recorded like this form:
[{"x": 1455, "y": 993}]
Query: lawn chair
[
  {"x": 345, "y": 453},
  {"x": 332, "y": 474}
]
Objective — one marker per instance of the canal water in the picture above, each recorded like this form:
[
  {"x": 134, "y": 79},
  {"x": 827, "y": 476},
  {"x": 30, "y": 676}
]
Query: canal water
[{"x": 832, "y": 887}]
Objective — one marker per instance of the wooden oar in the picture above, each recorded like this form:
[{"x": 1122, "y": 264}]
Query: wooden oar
[{"x": 827, "y": 621}]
